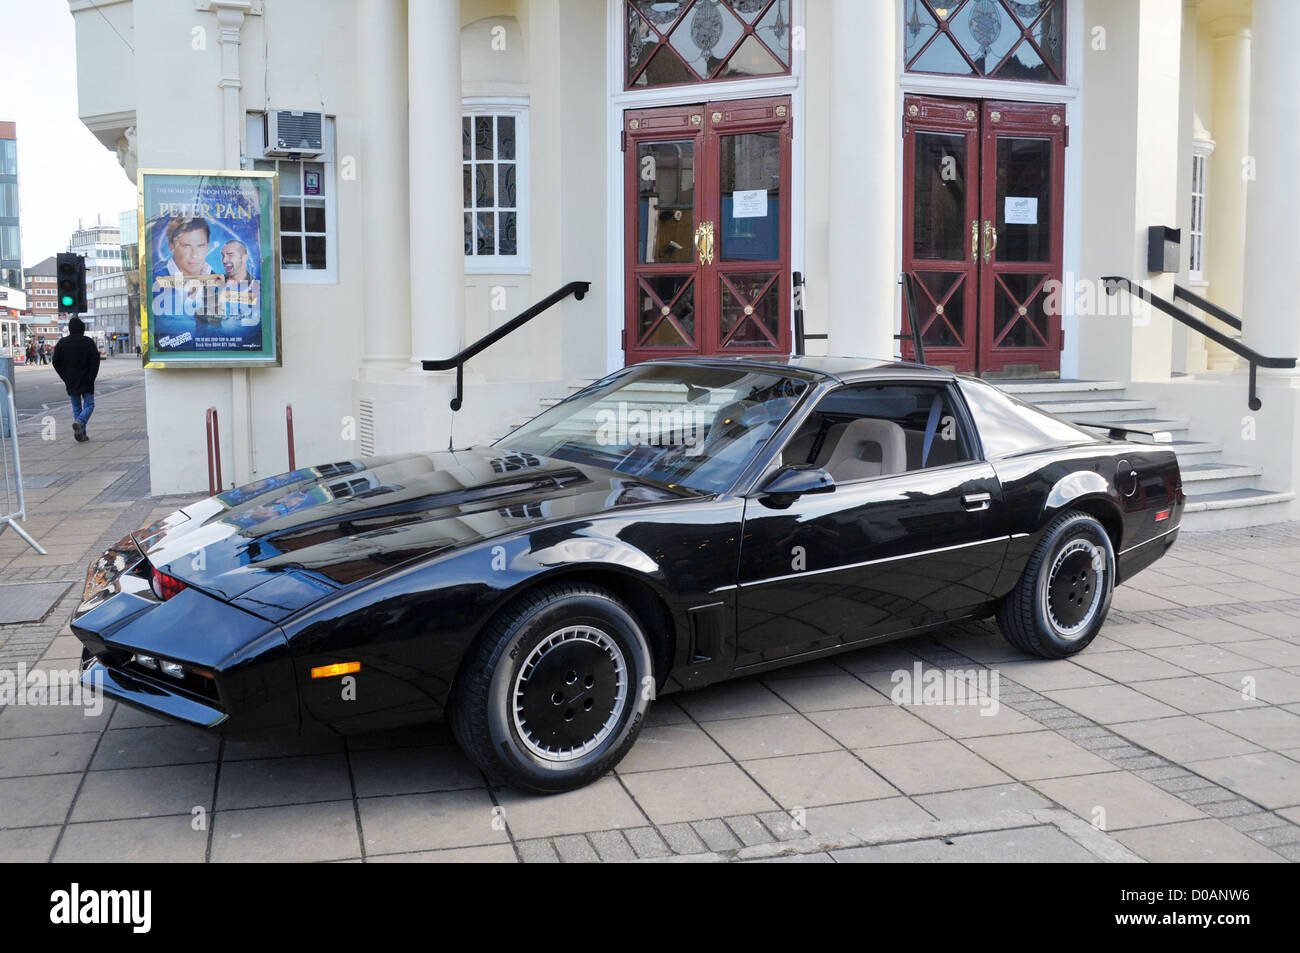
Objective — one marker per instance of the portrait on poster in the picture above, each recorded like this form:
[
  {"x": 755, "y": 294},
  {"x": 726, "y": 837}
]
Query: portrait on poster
[{"x": 209, "y": 268}]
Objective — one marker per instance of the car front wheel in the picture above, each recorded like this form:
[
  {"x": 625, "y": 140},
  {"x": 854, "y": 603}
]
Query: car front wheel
[
  {"x": 554, "y": 692},
  {"x": 1061, "y": 600}
]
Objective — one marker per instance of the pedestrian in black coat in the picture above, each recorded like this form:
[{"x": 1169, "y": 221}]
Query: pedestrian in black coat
[{"x": 76, "y": 361}]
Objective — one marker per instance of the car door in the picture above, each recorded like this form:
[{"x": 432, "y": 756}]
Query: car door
[{"x": 914, "y": 532}]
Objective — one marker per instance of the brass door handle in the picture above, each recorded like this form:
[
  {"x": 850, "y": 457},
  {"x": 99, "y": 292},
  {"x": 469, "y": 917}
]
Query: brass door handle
[
  {"x": 990, "y": 240},
  {"x": 704, "y": 243},
  {"x": 975, "y": 240}
]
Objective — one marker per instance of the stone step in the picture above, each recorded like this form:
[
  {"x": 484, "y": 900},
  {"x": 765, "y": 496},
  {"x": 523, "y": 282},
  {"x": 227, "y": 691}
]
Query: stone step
[
  {"x": 1195, "y": 451},
  {"x": 1036, "y": 390},
  {"x": 1233, "y": 508},
  {"x": 1218, "y": 477},
  {"x": 1099, "y": 408}
]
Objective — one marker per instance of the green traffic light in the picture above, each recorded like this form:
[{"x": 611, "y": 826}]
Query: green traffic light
[{"x": 67, "y": 301}]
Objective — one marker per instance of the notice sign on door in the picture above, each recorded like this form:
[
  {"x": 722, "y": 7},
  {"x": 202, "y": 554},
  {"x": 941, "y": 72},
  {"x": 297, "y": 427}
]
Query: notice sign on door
[
  {"x": 749, "y": 204},
  {"x": 1020, "y": 210}
]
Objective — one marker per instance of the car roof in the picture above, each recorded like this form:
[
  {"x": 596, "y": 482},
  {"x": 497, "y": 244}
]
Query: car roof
[{"x": 845, "y": 370}]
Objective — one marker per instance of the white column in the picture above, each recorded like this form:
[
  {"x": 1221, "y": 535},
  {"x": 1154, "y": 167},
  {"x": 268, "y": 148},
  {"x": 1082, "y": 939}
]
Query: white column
[
  {"x": 437, "y": 246},
  {"x": 230, "y": 21},
  {"x": 1226, "y": 220},
  {"x": 1269, "y": 319},
  {"x": 863, "y": 230},
  {"x": 382, "y": 175}
]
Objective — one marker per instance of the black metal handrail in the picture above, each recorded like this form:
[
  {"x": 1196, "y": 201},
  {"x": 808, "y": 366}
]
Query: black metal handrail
[
  {"x": 1114, "y": 284},
  {"x": 1209, "y": 307},
  {"x": 579, "y": 291},
  {"x": 909, "y": 298}
]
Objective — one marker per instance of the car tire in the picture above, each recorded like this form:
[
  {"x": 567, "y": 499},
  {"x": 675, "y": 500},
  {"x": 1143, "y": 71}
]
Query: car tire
[
  {"x": 1061, "y": 599},
  {"x": 554, "y": 692}
]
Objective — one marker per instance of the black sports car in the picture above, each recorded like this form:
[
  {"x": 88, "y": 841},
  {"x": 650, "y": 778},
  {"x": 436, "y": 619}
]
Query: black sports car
[{"x": 673, "y": 525}]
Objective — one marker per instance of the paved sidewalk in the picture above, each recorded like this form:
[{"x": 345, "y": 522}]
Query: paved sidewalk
[{"x": 1174, "y": 737}]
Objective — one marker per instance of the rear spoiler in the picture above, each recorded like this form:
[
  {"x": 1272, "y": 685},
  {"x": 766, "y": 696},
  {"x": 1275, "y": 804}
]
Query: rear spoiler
[{"x": 1118, "y": 430}]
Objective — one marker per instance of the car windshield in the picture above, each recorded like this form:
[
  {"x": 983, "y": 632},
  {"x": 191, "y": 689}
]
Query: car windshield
[{"x": 696, "y": 427}]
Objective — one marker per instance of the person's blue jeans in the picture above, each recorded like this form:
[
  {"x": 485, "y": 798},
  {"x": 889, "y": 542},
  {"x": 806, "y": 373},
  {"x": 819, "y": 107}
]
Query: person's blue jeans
[{"x": 83, "y": 405}]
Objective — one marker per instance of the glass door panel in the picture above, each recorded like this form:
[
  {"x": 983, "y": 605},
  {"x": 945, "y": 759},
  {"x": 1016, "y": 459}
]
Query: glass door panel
[
  {"x": 940, "y": 224},
  {"x": 1023, "y": 158}
]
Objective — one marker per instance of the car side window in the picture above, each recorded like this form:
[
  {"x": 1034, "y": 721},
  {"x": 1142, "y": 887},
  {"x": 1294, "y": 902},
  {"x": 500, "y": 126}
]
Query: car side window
[{"x": 873, "y": 430}]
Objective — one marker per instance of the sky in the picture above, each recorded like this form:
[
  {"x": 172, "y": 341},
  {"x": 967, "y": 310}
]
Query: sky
[{"x": 64, "y": 173}]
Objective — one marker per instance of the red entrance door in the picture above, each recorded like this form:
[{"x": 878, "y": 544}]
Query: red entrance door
[
  {"x": 708, "y": 229},
  {"x": 983, "y": 201}
]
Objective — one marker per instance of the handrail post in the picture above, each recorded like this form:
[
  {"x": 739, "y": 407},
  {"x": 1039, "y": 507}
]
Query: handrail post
[
  {"x": 214, "y": 453},
  {"x": 288, "y": 424},
  {"x": 800, "y": 343},
  {"x": 909, "y": 298}
]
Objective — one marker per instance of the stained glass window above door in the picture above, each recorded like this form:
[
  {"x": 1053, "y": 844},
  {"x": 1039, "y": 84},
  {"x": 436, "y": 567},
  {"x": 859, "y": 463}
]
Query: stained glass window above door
[
  {"x": 670, "y": 42},
  {"x": 1003, "y": 39}
]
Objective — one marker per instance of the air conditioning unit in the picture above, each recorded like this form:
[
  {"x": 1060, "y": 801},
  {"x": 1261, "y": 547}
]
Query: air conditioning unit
[{"x": 292, "y": 132}]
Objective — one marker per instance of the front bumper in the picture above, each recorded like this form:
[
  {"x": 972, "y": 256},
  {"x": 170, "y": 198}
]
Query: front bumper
[
  {"x": 246, "y": 688},
  {"x": 147, "y": 696}
]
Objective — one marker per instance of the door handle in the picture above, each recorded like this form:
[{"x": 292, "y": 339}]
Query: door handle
[
  {"x": 975, "y": 240},
  {"x": 704, "y": 243},
  {"x": 990, "y": 240},
  {"x": 976, "y": 502}
]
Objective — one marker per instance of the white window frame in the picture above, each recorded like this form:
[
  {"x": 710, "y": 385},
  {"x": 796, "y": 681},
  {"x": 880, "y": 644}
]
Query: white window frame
[
  {"x": 520, "y": 263},
  {"x": 1197, "y": 237},
  {"x": 254, "y": 147}
]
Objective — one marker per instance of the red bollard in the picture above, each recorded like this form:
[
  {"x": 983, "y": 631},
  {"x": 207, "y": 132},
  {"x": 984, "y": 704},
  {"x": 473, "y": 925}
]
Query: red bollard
[
  {"x": 214, "y": 453},
  {"x": 288, "y": 425}
]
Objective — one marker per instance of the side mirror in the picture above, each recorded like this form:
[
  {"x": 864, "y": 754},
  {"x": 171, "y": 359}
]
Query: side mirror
[{"x": 789, "y": 483}]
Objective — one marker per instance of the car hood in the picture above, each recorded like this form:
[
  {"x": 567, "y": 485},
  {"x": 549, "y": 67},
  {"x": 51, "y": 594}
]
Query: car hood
[{"x": 319, "y": 529}]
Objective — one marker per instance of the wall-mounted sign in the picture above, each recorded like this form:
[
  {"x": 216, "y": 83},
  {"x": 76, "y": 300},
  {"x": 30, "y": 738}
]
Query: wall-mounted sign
[
  {"x": 209, "y": 268},
  {"x": 311, "y": 182}
]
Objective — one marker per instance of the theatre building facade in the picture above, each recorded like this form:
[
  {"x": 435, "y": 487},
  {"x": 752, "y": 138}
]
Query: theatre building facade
[{"x": 737, "y": 177}]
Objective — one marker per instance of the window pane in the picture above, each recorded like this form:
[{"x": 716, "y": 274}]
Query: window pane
[
  {"x": 9, "y": 199},
  {"x": 483, "y": 137},
  {"x": 316, "y": 251},
  {"x": 709, "y": 32},
  {"x": 8, "y": 157},
  {"x": 290, "y": 179},
  {"x": 469, "y": 234},
  {"x": 486, "y": 239},
  {"x": 291, "y": 251},
  {"x": 666, "y": 201},
  {"x": 467, "y": 188},
  {"x": 507, "y": 242},
  {"x": 939, "y": 209},
  {"x": 465, "y": 139},
  {"x": 483, "y": 192},
  {"x": 290, "y": 218},
  {"x": 505, "y": 137},
  {"x": 506, "y": 194},
  {"x": 314, "y": 217}
]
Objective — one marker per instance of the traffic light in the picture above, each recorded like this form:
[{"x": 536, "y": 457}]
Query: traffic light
[{"x": 71, "y": 271}]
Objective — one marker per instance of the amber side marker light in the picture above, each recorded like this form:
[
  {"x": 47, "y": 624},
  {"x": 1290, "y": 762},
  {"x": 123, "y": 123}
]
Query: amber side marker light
[{"x": 339, "y": 668}]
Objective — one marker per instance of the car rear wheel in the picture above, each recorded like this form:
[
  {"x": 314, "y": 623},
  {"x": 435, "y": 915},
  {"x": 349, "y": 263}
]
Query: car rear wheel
[
  {"x": 1061, "y": 600},
  {"x": 554, "y": 692}
]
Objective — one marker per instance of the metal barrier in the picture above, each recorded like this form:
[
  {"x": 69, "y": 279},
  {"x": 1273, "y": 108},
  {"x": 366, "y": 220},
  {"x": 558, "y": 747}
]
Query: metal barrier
[
  {"x": 215, "y": 484},
  {"x": 12, "y": 514}
]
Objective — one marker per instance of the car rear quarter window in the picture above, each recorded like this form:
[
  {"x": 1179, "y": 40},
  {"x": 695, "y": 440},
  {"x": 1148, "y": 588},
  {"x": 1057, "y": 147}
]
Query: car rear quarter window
[{"x": 1008, "y": 426}]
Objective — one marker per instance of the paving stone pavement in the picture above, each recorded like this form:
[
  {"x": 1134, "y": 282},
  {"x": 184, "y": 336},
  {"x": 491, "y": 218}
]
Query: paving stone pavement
[{"x": 1174, "y": 737}]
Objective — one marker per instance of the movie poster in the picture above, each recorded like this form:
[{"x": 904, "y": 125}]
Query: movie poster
[{"x": 209, "y": 269}]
